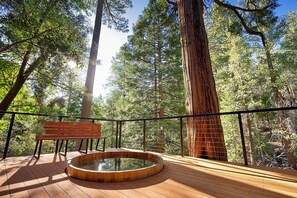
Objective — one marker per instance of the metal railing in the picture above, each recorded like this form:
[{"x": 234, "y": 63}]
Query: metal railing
[
  {"x": 148, "y": 134},
  {"x": 60, "y": 118}
]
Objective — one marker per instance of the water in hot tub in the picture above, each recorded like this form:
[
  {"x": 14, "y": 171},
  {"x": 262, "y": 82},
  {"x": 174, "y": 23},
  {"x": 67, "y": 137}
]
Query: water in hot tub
[{"x": 115, "y": 164}]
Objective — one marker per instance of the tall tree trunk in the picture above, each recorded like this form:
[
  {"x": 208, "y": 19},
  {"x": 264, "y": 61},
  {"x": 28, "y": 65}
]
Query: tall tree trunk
[
  {"x": 87, "y": 99},
  {"x": 276, "y": 93},
  {"x": 21, "y": 79},
  {"x": 161, "y": 135},
  {"x": 205, "y": 134},
  {"x": 282, "y": 115},
  {"x": 251, "y": 139},
  {"x": 88, "y": 95}
]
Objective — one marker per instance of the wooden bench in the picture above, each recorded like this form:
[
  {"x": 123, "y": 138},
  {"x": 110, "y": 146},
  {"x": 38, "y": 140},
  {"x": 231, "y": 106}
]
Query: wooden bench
[{"x": 69, "y": 131}]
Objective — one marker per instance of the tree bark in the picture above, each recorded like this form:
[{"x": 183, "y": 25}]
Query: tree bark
[
  {"x": 89, "y": 85},
  {"x": 290, "y": 153},
  {"x": 87, "y": 99},
  {"x": 251, "y": 139},
  {"x": 205, "y": 134},
  {"x": 161, "y": 135}
]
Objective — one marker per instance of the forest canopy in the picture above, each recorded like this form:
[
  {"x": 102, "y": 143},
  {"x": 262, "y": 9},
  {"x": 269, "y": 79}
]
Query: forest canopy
[{"x": 38, "y": 40}]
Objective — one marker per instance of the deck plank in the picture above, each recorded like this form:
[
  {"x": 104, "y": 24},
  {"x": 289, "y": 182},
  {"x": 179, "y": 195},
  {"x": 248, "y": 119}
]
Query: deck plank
[
  {"x": 4, "y": 190},
  {"x": 47, "y": 180},
  {"x": 181, "y": 177},
  {"x": 15, "y": 183}
]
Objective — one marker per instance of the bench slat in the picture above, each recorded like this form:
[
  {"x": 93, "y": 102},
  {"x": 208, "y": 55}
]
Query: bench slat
[
  {"x": 77, "y": 128},
  {"x": 69, "y": 131}
]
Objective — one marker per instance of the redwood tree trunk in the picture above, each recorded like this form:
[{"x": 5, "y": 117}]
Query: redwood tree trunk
[{"x": 205, "y": 134}]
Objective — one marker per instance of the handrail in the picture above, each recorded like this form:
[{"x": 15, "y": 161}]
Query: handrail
[
  {"x": 168, "y": 117},
  {"x": 120, "y": 124},
  {"x": 62, "y": 116},
  {"x": 213, "y": 114},
  {"x": 39, "y": 114}
]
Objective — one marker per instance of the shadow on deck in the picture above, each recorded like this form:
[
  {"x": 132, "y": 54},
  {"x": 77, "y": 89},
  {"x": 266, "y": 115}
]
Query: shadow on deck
[{"x": 181, "y": 177}]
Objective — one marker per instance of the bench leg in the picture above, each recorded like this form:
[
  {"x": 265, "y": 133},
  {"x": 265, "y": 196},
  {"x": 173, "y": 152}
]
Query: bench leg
[
  {"x": 66, "y": 147},
  {"x": 91, "y": 145},
  {"x": 81, "y": 142},
  {"x": 57, "y": 145},
  {"x": 104, "y": 144},
  {"x": 97, "y": 143},
  {"x": 61, "y": 145},
  {"x": 86, "y": 152},
  {"x": 39, "y": 150},
  {"x": 87, "y": 146},
  {"x": 37, "y": 143}
]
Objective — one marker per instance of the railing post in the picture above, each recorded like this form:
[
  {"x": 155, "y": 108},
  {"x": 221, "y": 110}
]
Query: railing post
[
  {"x": 91, "y": 143},
  {"x": 8, "y": 135},
  {"x": 117, "y": 134},
  {"x": 181, "y": 137},
  {"x": 144, "y": 135},
  {"x": 120, "y": 138},
  {"x": 242, "y": 140}
]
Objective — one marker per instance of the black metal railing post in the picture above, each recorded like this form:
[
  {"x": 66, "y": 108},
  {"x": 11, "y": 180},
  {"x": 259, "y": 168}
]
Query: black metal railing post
[
  {"x": 117, "y": 135},
  {"x": 242, "y": 140},
  {"x": 8, "y": 136},
  {"x": 144, "y": 135},
  {"x": 120, "y": 135},
  {"x": 181, "y": 137}
]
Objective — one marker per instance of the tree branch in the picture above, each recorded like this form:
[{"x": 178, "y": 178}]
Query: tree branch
[
  {"x": 246, "y": 9},
  {"x": 26, "y": 39},
  {"x": 171, "y": 2},
  {"x": 246, "y": 27},
  {"x": 36, "y": 63},
  {"x": 24, "y": 62}
]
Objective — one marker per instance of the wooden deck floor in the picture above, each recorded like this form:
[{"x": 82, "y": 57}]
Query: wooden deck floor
[{"x": 181, "y": 177}]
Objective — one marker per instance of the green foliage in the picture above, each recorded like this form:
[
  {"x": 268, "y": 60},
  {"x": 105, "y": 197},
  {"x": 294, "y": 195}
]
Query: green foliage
[
  {"x": 113, "y": 14},
  {"x": 244, "y": 81},
  {"x": 147, "y": 70},
  {"x": 147, "y": 77},
  {"x": 38, "y": 39},
  {"x": 37, "y": 128}
]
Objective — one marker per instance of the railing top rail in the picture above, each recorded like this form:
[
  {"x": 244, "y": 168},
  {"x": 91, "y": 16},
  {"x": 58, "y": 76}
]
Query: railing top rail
[
  {"x": 213, "y": 114},
  {"x": 169, "y": 117},
  {"x": 55, "y": 116}
]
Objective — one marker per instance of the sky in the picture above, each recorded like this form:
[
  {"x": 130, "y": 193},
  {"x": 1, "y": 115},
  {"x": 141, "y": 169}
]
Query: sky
[
  {"x": 111, "y": 40},
  {"x": 110, "y": 43}
]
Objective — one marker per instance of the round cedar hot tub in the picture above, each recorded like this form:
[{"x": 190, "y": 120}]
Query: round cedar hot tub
[{"x": 114, "y": 166}]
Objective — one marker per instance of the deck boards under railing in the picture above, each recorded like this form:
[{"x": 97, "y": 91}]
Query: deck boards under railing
[{"x": 181, "y": 177}]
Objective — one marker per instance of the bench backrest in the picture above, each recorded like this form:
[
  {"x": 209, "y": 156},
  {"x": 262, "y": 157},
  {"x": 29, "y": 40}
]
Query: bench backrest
[{"x": 71, "y": 128}]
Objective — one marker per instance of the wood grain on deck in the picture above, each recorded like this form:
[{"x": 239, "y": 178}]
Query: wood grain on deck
[{"x": 181, "y": 177}]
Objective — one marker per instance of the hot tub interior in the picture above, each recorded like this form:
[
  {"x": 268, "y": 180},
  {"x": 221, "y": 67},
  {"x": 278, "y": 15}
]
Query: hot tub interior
[{"x": 114, "y": 166}]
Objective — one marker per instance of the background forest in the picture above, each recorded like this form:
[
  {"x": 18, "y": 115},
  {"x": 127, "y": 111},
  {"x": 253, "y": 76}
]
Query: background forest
[{"x": 45, "y": 46}]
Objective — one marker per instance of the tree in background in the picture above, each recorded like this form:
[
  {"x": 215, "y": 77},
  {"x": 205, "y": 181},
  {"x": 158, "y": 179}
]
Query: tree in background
[
  {"x": 40, "y": 35},
  {"x": 113, "y": 9},
  {"x": 147, "y": 70},
  {"x": 257, "y": 84},
  {"x": 205, "y": 136}
]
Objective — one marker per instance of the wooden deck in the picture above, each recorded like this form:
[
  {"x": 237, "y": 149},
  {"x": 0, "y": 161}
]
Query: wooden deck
[{"x": 181, "y": 177}]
